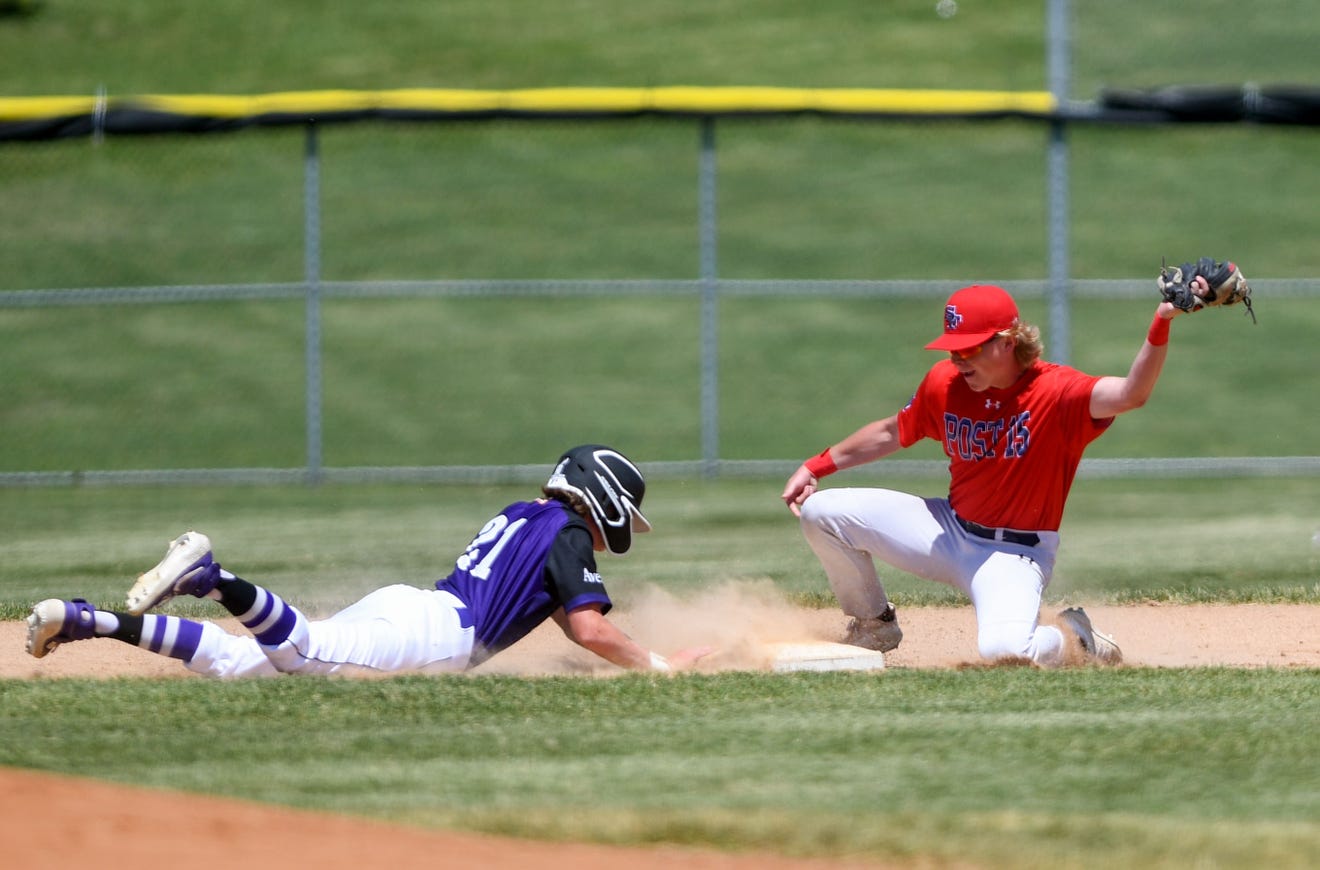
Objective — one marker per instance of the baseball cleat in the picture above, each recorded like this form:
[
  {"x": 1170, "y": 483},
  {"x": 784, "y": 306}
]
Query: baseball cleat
[
  {"x": 880, "y": 633},
  {"x": 187, "y": 569},
  {"x": 1097, "y": 646},
  {"x": 53, "y": 622}
]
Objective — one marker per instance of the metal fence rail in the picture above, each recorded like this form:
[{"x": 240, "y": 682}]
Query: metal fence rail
[
  {"x": 1174, "y": 467},
  {"x": 1109, "y": 288}
]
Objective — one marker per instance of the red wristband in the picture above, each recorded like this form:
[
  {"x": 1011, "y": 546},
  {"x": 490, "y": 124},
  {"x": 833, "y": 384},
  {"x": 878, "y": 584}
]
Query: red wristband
[
  {"x": 1159, "y": 331},
  {"x": 821, "y": 464}
]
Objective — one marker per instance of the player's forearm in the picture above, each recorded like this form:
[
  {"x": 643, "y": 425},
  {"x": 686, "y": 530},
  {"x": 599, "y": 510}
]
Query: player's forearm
[
  {"x": 1113, "y": 395},
  {"x": 590, "y": 630},
  {"x": 626, "y": 653},
  {"x": 1143, "y": 375},
  {"x": 869, "y": 443},
  {"x": 1149, "y": 362}
]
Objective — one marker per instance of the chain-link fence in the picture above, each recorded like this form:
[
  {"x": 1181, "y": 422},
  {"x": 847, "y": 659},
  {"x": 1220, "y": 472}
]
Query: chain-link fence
[{"x": 408, "y": 300}]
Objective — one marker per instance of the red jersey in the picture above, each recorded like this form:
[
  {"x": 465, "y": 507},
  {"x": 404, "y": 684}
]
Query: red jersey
[{"x": 1013, "y": 452}]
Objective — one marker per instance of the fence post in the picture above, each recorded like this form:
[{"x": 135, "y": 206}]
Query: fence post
[
  {"x": 312, "y": 279},
  {"x": 1057, "y": 182},
  {"x": 710, "y": 352}
]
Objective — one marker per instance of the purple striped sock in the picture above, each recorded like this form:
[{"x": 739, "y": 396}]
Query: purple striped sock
[
  {"x": 270, "y": 620},
  {"x": 171, "y": 636}
]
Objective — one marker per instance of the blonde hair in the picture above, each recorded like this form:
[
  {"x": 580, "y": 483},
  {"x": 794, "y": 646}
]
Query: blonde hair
[
  {"x": 1027, "y": 344},
  {"x": 570, "y": 497}
]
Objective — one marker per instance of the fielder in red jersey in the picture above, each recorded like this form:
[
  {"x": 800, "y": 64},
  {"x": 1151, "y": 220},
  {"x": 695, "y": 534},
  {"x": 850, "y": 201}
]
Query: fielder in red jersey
[
  {"x": 1014, "y": 428},
  {"x": 1034, "y": 429}
]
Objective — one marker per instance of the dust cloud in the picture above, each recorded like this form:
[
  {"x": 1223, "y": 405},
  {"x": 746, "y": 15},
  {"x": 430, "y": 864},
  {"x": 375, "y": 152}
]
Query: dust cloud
[{"x": 737, "y": 618}]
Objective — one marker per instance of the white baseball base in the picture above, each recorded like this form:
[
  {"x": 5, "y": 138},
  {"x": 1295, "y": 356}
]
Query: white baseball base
[{"x": 824, "y": 656}]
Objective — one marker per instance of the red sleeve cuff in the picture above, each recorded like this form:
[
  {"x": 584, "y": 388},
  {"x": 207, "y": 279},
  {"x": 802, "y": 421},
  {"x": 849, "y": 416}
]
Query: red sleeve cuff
[
  {"x": 822, "y": 464},
  {"x": 1159, "y": 331}
]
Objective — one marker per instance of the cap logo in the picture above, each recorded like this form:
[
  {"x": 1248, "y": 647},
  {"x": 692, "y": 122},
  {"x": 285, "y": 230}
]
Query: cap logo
[{"x": 952, "y": 319}]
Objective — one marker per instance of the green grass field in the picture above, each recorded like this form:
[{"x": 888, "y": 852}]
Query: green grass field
[
  {"x": 1003, "y": 768},
  {"x": 998, "y": 767}
]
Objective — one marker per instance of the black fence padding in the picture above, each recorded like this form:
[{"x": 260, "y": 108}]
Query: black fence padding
[{"x": 1273, "y": 104}]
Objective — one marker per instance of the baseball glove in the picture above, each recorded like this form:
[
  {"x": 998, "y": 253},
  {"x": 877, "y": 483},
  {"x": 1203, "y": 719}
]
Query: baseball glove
[{"x": 1227, "y": 286}]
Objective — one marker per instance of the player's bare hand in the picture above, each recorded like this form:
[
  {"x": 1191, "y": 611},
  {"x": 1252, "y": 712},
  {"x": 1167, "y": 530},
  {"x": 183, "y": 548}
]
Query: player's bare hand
[
  {"x": 801, "y": 486},
  {"x": 686, "y": 659}
]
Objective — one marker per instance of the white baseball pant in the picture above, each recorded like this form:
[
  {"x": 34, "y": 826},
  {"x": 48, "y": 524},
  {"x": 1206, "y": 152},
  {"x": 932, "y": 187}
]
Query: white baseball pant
[
  {"x": 848, "y": 528},
  {"x": 394, "y": 629}
]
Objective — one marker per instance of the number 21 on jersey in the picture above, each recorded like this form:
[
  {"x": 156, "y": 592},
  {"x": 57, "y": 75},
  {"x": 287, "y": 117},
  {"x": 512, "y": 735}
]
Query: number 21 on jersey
[{"x": 479, "y": 557}]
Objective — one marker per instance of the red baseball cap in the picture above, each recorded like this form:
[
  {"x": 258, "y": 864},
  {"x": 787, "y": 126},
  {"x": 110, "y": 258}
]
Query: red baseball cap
[{"x": 973, "y": 315}]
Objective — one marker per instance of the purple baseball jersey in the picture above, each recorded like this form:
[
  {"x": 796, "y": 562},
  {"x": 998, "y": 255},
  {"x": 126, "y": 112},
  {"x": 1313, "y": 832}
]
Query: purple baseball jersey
[{"x": 525, "y": 563}]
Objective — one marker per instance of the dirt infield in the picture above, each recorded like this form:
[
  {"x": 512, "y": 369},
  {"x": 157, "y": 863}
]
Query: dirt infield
[
  {"x": 82, "y": 816},
  {"x": 739, "y": 621},
  {"x": 111, "y": 826}
]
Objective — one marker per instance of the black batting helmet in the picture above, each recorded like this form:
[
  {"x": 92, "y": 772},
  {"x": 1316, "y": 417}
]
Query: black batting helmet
[{"x": 609, "y": 484}]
